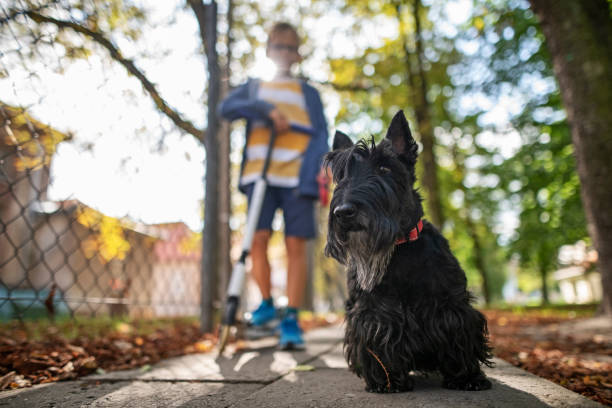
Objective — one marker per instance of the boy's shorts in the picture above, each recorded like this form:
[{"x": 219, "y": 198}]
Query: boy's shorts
[{"x": 298, "y": 211}]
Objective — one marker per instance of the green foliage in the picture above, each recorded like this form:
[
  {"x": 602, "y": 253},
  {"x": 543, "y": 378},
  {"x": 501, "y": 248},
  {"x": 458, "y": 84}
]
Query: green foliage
[
  {"x": 543, "y": 178},
  {"x": 539, "y": 180},
  {"x": 498, "y": 55}
]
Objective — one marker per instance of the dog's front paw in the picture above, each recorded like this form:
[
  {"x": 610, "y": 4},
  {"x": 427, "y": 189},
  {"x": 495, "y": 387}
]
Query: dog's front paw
[
  {"x": 477, "y": 383},
  {"x": 378, "y": 388},
  {"x": 407, "y": 385}
]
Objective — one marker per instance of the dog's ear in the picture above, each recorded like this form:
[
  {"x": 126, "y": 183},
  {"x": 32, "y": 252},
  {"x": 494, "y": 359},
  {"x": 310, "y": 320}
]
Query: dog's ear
[
  {"x": 341, "y": 141},
  {"x": 401, "y": 138}
]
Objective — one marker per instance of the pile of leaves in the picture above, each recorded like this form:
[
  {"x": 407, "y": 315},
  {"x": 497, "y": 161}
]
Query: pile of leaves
[
  {"x": 25, "y": 361},
  {"x": 31, "y": 355},
  {"x": 581, "y": 362}
]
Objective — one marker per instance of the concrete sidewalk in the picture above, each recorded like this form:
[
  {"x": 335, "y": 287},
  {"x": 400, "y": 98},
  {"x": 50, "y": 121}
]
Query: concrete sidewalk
[{"x": 262, "y": 376}]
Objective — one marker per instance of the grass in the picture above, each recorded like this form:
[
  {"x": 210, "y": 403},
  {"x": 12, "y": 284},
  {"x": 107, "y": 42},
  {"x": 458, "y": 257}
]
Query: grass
[
  {"x": 552, "y": 310},
  {"x": 72, "y": 327},
  {"x": 79, "y": 326}
]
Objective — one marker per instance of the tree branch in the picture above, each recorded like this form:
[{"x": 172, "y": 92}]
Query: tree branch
[
  {"x": 199, "y": 9},
  {"x": 161, "y": 104}
]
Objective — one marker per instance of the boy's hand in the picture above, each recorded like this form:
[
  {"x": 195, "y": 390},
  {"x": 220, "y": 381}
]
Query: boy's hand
[{"x": 281, "y": 124}]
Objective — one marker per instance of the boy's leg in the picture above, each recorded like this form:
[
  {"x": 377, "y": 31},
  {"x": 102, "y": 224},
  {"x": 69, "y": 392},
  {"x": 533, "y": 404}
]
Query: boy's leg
[
  {"x": 290, "y": 331},
  {"x": 296, "y": 270},
  {"x": 259, "y": 258},
  {"x": 259, "y": 246},
  {"x": 299, "y": 226},
  {"x": 264, "y": 316},
  {"x": 298, "y": 213}
]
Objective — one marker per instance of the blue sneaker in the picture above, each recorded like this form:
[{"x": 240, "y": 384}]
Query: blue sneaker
[
  {"x": 264, "y": 314},
  {"x": 290, "y": 334}
]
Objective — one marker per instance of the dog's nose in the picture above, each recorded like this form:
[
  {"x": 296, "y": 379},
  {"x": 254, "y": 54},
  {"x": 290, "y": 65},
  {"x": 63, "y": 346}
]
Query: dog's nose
[{"x": 345, "y": 211}]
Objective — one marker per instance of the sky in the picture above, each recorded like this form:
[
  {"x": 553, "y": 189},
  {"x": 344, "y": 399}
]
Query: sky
[{"x": 126, "y": 158}]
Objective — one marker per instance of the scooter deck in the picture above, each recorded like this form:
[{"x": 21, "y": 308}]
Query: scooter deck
[{"x": 269, "y": 329}]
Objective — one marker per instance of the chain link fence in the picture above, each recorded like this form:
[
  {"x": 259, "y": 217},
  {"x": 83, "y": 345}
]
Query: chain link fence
[
  {"x": 60, "y": 256},
  {"x": 63, "y": 257}
]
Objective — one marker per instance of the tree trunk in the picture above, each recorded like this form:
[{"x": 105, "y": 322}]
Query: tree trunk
[
  {"x": 207, "y": 21},
  {"x": 224, "y": 268},
  {"x": 479, "y": 256},
  {"x": 422, "y": 111},
  {"x": 544, "y": 277},
  {"x": 582, "y": 60}
]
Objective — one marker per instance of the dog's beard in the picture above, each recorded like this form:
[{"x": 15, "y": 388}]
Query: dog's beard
[{"x": 370, "y": 267}]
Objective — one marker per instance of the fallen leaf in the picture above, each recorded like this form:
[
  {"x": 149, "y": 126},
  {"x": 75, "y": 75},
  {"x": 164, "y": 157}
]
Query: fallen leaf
[
  {"x": 7, "y": 379},
  {"x": 204, "y": 346},
  {"x": 123, "y": 345},
  {"x": 124, "y": 328},
  {"x": 7, "y": 341},
  {"x": 89, "y": 363},
  {"x": 20, "y": 381},
  {"x": 303, "y": 368},
  {"x": 76, "y": 349}
]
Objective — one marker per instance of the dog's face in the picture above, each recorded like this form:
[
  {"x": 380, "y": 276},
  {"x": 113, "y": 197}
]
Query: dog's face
[{"x": 374, "y": 202}]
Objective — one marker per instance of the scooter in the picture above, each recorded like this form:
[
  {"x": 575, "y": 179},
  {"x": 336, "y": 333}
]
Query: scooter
[{"x": 236, "y": 282}]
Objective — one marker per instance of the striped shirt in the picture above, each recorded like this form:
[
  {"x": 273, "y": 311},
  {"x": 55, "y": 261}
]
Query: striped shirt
[{"x": 289, "y": 147}]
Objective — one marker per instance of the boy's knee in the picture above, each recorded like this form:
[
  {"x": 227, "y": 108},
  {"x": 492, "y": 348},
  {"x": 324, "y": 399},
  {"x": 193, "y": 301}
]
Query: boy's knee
[
  {"x": 295, "y": 244},
  {"x": 260, "y": 240}
]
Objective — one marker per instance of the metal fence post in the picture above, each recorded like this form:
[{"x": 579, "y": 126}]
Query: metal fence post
[{"x": 211, "y": 203}]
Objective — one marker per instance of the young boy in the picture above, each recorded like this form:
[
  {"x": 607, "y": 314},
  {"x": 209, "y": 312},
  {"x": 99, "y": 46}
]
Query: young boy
[{"x": 295, "y": 111}]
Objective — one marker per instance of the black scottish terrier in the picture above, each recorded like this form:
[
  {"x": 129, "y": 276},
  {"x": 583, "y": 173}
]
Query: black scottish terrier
[{"x": 408, "y": 308}]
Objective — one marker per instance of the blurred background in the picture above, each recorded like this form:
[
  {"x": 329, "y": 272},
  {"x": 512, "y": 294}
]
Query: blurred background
[
  {"x": 119, "y": 212},
  {"x": 106, "y": 136}
]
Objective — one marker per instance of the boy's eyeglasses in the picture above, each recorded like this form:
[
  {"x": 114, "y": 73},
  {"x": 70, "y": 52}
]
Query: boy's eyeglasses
[{"x": 280, "y": 47}]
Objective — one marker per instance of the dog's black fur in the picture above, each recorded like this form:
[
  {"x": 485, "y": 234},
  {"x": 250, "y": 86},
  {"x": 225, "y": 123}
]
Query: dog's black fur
[{"x": 408, "y": 307}]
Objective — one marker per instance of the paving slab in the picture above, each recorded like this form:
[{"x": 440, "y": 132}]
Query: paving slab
[
  {"x": 330, "y": 384},
  {"x": 128, "y": 394},
  {"x": 198, "y": 380},
  {"x": 261, "y": 362},
  {"x": 338, "y": 388}
]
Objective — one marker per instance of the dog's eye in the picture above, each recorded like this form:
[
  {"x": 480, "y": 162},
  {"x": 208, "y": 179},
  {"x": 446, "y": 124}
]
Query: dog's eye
[{"x": 384, "y": 169}]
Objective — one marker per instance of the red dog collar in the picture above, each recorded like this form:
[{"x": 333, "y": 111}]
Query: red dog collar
[{"x": 414, "y": 234}]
